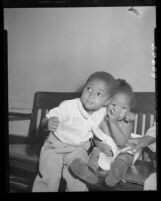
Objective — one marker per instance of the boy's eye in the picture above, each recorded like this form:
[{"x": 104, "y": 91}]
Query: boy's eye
[
  {"x": 89, "y": 89},
  {"x": 113, "y": 105},
  {"x": 124, "y": 108},
  {"x": 99, "y": 94}
]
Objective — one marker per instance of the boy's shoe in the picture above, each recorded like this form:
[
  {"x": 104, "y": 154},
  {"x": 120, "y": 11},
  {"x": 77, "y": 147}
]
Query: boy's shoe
[
  {"x": 111, "y": 181},
  {"x": 81, "y": 170}
]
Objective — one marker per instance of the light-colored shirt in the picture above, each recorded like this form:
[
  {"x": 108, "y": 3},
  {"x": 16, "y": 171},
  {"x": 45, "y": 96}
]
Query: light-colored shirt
[
  {"x": 151, "y": 183},
  {"x": 152, "y": 132},
  {"x": 75, "y": 125}
]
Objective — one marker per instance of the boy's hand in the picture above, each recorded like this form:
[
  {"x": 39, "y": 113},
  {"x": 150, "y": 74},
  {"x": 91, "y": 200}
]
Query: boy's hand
[
  {"x": 106, "y": 149},
  {"x": 53, "y": 123}
]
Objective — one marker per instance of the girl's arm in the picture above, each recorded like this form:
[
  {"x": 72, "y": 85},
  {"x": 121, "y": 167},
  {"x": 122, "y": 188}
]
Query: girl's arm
[
  {"x": 120, "y": 135},
  {"x": 113, "y": 129},
  {"x": 119, "y": 129}
]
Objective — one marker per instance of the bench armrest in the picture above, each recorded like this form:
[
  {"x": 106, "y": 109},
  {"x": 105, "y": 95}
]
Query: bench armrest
[
  {"x": 151, "y": 155},
  {"x": 13, "y": 116}
]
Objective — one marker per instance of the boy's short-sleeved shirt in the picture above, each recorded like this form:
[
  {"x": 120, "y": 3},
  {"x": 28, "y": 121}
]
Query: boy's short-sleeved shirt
[{"x": 75, "y": 123}]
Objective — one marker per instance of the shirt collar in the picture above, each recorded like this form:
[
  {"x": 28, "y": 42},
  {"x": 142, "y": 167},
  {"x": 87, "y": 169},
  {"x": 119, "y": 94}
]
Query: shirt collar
[{"x": 82, "y": 110}]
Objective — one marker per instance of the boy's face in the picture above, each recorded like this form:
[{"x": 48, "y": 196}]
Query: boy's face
[
  {"x": 95, "y": 95},
  {"x": 121, "y": 103}
]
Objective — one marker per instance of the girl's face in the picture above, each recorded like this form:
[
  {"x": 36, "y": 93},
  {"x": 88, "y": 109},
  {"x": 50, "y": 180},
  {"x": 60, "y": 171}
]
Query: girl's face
[
  {"x": 120, "y": 102},
  {"x": 95, "y": 95}
]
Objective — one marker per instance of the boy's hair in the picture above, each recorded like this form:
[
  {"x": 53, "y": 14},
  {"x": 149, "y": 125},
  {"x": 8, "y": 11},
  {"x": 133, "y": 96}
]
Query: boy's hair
[
  {"x": 106, "y": 77},
  {"x": 123, "y": 87}
]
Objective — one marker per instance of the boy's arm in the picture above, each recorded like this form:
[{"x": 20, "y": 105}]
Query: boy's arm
[
  {"x": 50, "y": 124},
  {"x": 54, "y": 117},
  {"x": 104, "y": 127},
  {"x": 45, "y": 124}
]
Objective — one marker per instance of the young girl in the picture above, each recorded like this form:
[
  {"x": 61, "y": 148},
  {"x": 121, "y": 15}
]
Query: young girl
[
  {"x": 117, "y": 124},
  {"x": 70, "y": 125}
]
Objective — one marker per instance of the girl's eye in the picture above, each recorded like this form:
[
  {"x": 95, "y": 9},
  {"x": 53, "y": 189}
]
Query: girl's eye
[
  {"x": 124, "y": 108},
  {"x": 113, "y": 105}
]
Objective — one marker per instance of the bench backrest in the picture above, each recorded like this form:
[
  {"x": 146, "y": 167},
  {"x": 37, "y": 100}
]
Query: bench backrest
[
  {"x": 145, "y": 112},
  {"x": 44, "y": 101}
]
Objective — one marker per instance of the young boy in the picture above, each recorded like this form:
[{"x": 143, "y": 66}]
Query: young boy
[{"x": 70, "y": 125}]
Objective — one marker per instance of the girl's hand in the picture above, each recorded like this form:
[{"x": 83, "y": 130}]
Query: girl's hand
[
  {"x": 52, "y": 124},
  {"x": 113, "y": 113},
  {"x": 129, "y": 116},
  {"x": 106, "y": 149}
]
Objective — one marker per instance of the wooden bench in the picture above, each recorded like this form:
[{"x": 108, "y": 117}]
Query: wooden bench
[{"x": 24, "y": 157}]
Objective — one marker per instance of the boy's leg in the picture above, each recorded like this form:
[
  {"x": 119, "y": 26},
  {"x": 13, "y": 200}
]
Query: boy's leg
[
  {"x": 93, "y": 160},
  {"x": 79, "y": 155},
  {"x": 50, "y": 169},
  {"x": 81, "y": 170},
  {"x": 73, "y": 184},
  {"x": 119, "y": 168}
]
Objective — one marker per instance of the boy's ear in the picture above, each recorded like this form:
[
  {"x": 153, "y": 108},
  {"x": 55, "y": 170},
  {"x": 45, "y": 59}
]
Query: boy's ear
[{"x": 107, "y": 102}]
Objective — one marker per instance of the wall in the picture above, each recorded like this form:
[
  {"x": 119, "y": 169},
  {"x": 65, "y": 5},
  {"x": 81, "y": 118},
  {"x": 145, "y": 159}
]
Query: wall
[{"x": 56, "y": 49}]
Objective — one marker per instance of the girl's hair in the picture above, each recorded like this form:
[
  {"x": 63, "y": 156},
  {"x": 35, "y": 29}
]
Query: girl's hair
[
  {"x": 106, "y": 77},
  {"x": 123, "y": 87}
]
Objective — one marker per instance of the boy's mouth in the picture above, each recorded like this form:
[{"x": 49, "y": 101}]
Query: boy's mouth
[{"x": 89, "y": 102}]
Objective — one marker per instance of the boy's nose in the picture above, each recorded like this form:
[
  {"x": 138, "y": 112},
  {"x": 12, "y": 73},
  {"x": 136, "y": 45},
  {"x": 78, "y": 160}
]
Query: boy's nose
[{"x": 91, "y": 95}]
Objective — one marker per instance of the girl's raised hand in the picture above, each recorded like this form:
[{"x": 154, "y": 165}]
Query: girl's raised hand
[
  {"x": 129, "y": 116},
  {"x": 113, "y": 113}
]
